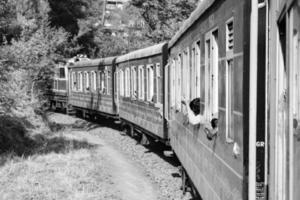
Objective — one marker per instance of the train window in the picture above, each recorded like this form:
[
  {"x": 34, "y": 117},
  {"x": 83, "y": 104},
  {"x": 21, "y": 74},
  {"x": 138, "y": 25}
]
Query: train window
[
  {"x": 214, "y": 75},
  {"x": 229, "y": 101},
  {"x": 150, "y": 83},
  {"x": 80, "y": 82},
  {"x": 187, "y": 74},
  {"x": 121, "y": 83},
  {"x": 172, "y": 83},
  {"x": 74, "y": 81},
  {"x": 229, "y": 35},
  {"x": 115, "y": 83},
  {"x": 192, "y": 75},
  {"x": 133, "y": 83},
  {"x": 102, "y": 82},
  {"x": 211, "y": 76},
  {"x": 127, "y": 82},
  {"x": 183, "y": 75},
  {"x": 178, "y": 83},
  {"x": 93, "y": 81},
  {"x": 207, "y": 78},
  {"x": 141, "y": 82},
  {"x": 109, "y": 86},
  {"x": 158, "y": 83},
  {"x": 197, "y": 70},
  {"x": 62, "y": 73},
  {"x": 87, "y": 81}
]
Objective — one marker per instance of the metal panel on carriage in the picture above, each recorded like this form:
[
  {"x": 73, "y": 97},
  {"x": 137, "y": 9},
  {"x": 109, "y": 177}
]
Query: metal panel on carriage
[
  {"x": 91, "y": 86},
  {"x": 206, "y": 61},
  {"x": 140, "y": 89}
]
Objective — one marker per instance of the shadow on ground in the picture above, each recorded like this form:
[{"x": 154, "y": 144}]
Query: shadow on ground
[{"x": 15, "y": 140}]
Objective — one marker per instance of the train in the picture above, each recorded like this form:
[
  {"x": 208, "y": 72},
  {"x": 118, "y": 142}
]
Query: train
[{"x": 241, "y": 60}]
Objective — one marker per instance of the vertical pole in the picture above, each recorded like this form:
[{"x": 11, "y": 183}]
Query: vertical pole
[{"x": 252, "y": 99}]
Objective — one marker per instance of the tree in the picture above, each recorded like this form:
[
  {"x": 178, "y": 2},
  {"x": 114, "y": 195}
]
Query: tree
[{"x": 163, "y": 17}]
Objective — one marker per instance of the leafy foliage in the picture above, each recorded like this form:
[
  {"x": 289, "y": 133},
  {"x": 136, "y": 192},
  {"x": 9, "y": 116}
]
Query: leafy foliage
[{"x": 163, "y": 17}]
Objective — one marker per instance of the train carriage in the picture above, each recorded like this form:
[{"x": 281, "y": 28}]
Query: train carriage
[
  {"x": 140, "y": 90},
  {"x": 91, "y": 87},
  {"x": 241, "y": 59},
  {"x": 206, "y": 61},
  {"x": 58, "y": 94}
]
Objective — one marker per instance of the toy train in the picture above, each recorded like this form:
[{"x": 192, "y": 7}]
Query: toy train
[{"x": 242, "y": 59}]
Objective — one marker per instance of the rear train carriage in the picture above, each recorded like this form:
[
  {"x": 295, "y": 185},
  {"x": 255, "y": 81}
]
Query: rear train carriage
[
  {"x": 91, "y": 87},
  {"x": 57, "y": 95},
  {"x": 206, "y": 61},
  {"x": 140, "y": 90}
]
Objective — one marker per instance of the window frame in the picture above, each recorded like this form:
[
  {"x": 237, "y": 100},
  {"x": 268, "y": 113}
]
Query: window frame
[
  {"x": 80, "y": 81},
  {"x": 74, "y": 82},
  {"x": 127, "y": 82},
  {"x": 150, "y": 83},
  {"x": 121, "y": 74},
  {"x": 133, "y": 83},
  {"x": 93, "y": 82},
  {"x": 173, "y": 83},
  {"x": 87, "y": 81},
  {"x": 211, "y": 74},
  {"x": 178, "y": 75},
  {"x": 158, "y": 80},
  {"x": 141, "y": 83}
]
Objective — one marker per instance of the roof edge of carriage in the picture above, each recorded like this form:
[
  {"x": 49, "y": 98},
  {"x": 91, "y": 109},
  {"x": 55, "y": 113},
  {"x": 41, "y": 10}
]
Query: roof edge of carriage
[
  {"x": 201, "y": 8},
  {"x": 93, "y": 62},
  {"x": 141, "y": 53}
]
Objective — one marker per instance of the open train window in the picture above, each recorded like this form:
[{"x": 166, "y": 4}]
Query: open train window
[
  {"x": 197, "y": 70},
  {"x": 115, "y": 83},
  {"x": 80, "y": 81},
  {"x": 121, "y": 83},
  {"x": 211, "y": 75},
  {"x": 109, "y": 86},
  {"x": 158, "y": 83},
  {"x": 133, "y": 83},
  {"x": 150, "y": 83},
  {"x": 141, "y": 84},
  {"x": 74, "y": 81},
  {"x": 87, "y": 81},
  {"x": 93, "y": 81},
  {"x": 178, "y": 83},
  {"x": 102, "y": 82},
  {"x": 229, "y": 101},
  {"x": 62, "y": 73},
  {"x": 172, "y": 83},
  {"x": 127, "y": 82},
  {"x": 186, "y": 74}
]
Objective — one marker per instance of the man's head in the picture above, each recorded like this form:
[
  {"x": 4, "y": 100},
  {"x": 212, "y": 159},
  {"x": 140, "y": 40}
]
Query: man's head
[{"x": 195, "y": 106}]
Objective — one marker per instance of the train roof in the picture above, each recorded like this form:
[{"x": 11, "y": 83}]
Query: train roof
[
  {"x": 201, "y": 8},
  {"x": 93, "y": 62},
  {"x": 141, "y": 53}
]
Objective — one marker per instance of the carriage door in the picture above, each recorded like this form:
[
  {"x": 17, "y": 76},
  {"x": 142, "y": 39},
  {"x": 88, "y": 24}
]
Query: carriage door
[{"x": 294, "y": 109}]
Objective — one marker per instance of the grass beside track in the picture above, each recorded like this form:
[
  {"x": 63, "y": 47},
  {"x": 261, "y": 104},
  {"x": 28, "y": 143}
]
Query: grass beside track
[{"x": 62, "y": 168}]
